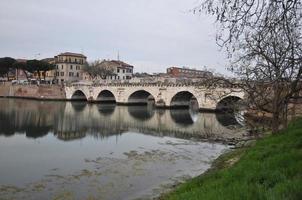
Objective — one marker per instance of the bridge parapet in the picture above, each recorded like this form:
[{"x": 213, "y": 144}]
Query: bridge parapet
[{"x": 205, "y": 84}]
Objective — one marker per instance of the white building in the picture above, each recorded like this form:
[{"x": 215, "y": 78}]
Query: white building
[{"x": 121, "y": 70}]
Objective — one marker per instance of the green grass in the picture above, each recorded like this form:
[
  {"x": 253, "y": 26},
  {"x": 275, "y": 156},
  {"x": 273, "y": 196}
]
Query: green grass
[{"x": 271, "y": 169}]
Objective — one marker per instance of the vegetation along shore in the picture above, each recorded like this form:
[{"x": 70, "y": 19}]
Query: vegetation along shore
[{"x": 269, "y": 169}]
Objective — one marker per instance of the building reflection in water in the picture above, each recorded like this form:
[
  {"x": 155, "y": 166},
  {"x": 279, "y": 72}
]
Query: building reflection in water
[{"x": 75, "y": 120}]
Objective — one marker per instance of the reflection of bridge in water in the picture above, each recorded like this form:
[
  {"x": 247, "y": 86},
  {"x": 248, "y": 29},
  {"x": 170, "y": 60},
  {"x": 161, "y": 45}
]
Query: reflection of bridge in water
[{"x": 74, "y": 120}]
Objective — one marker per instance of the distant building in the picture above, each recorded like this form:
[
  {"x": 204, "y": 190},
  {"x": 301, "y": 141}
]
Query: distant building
[
  {"x": 152, "y": 78},
  {"x": 184, "y": 72},
  {"x": 121, "y": 70},
  {"x": 69, "y": 67}
]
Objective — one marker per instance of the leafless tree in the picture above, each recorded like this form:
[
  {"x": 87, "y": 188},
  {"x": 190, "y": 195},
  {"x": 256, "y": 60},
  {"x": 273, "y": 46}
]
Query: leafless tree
[
  {"x": 98, "y": 69},
  {"x": 264, "y": 43}
]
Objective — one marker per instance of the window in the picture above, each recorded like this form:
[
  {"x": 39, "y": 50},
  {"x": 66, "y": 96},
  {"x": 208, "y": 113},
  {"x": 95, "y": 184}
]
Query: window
[
  {"x": 71, "y": 67},
  {"x": 57, "y": 67},
  {"x": 70, "y": 74},
  {"x": 78, "y": 74},
  {"x": 123, "y": 71},
  {"x": 62, "y": 67},
  {"x": 118, "y": 70},
  {"x": 62, "y": 73},
  {"x": 118, "y": 77},
  {"x": 75, "y": 60}
]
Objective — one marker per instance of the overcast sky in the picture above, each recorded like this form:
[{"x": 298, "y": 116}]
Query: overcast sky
[{"x": 149, "y": 34}]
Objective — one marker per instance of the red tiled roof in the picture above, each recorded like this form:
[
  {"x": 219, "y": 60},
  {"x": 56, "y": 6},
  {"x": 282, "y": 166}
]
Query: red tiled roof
[
  {"x": 48, "y": 59},
  {"x": 116, "y": 63},
  {"x": 72, "y": 54}
]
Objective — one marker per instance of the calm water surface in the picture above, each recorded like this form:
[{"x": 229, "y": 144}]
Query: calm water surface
[{"x": 74, "y": 150}]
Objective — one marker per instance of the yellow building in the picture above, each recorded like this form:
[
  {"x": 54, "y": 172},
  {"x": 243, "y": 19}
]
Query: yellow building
[{"x": 69, "y": 67}]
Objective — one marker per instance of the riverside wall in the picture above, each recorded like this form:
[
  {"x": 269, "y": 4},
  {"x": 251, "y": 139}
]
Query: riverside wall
[{"x": 47, "y": 92}]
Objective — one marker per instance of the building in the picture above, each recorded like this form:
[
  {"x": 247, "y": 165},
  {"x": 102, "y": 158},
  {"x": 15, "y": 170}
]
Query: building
[
  {"x": 159, "y": 78},
  {"x": 119, "y": 71},
  {"x": 188, "y": 73},
  {"x": 69, "y": 67}
]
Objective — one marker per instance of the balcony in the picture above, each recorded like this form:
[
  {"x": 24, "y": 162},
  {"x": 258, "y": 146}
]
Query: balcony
[{"x": 69, "y": 62}]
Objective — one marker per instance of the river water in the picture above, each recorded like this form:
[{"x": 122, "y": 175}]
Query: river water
[{"x": 74, "y": 150}]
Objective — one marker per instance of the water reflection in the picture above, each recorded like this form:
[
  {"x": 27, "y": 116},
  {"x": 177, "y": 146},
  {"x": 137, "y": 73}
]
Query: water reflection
[
  {"x": 227, "y": 119},
  {"x": 78, "y": 105},
  {"x": 106, "y": 109},
  {"x": 182, "y": 117},
  {"x": 141, "y": 112},
  {"x": 75, "y": 120}
]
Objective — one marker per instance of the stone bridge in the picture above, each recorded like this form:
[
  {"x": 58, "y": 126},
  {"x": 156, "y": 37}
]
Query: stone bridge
[{"x": 166, "y": 96}]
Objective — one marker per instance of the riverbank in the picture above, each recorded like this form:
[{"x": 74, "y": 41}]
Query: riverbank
[{"x": 270, "y": 169}]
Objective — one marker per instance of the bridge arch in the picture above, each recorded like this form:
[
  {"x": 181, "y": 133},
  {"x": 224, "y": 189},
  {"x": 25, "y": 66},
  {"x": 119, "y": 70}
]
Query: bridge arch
[
  {"x": 78, "y": 95},
  {"x": 106, "y": 96},
  {"x": 184, "y": 99},
  {"x": 229, "y": 103},
  {"x": 142, "y": 97}
]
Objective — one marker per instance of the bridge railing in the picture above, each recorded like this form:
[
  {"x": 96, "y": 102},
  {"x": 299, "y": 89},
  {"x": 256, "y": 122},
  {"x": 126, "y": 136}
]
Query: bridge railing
[{"x": 196, "y": 84}]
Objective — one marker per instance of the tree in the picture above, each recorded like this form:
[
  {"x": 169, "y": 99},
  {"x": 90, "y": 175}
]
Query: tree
[
  {"x": 98, "y": 69},
  {"x": 263, "y": 39},
  {"x": 6, "y": 64},
  {"x": 20, "y": 65},
  {"x": 45, "y": 66},
  {"x": 39, "y": 66},
  {"x": 34, "y": 66}
]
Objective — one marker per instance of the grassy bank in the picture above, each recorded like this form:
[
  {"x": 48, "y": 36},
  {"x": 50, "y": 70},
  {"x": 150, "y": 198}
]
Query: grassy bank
[{"x": 271, "y": 169}]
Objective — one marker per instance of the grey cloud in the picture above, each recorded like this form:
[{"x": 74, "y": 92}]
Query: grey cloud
[{"x": 150, "y": 34}]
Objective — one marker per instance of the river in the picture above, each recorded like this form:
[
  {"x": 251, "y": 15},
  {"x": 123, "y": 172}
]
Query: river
[{"x": 75, "y": 150}]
